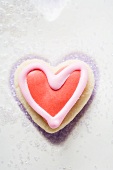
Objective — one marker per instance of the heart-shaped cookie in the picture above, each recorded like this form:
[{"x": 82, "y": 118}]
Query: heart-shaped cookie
[{"x": 53, "y": 96}]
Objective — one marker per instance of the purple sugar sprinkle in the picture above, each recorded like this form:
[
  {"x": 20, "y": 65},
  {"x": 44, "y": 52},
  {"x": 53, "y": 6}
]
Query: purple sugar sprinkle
[{"x": 61, "y": 135}]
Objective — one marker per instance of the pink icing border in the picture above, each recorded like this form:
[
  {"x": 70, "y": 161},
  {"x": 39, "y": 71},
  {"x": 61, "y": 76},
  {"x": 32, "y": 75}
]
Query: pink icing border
[{"x": 55, "y": 81}]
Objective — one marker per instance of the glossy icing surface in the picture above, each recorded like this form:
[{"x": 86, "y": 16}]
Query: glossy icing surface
[
  {"x": 52, "y": 101},
  {"x": 55, "y": 82}
]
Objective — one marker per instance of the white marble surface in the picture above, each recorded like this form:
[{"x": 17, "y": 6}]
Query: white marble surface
[{"x": 84, "y": 26}]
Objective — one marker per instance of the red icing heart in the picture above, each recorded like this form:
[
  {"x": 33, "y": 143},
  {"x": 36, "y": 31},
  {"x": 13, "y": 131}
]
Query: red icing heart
[{"x": 52, "y": 101}]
